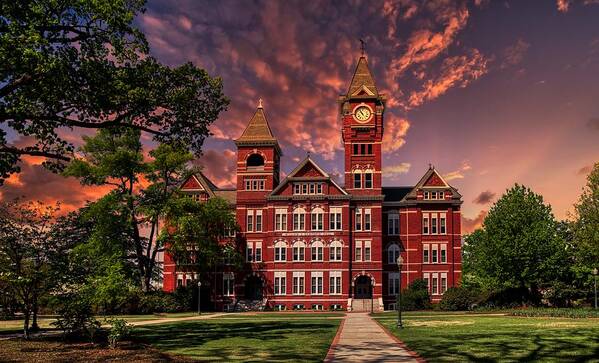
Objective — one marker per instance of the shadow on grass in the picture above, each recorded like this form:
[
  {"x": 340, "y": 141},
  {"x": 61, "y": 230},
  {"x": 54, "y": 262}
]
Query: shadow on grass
[{"x": 227, "y": 340}]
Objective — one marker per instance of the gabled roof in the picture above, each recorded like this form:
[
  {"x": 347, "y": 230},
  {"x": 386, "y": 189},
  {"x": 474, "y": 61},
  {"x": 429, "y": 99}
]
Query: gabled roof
[
  {"x": 258, "y": 128},
  {"x": 307, "y": 162},
  {"x": 362, "y": 81},
  {"x": 199, "y": 182},
  {"x": 433, "y": 180}
]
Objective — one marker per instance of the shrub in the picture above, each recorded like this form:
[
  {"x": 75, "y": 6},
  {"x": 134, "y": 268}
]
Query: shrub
[
  {"x": 577, "y": 313},
  {"x": 416, "y": 296},
  {"x": 457, "y": 298},
  {"x": 119, "y": 330},
  {"x": 508, "y": 298},
  {"x": 76, "y": 317}
]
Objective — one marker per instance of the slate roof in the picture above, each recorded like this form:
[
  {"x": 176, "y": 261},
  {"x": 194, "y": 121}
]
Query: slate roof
[
  {"x": 257, "y": 129},
  {"x": 362, "y": 77}
]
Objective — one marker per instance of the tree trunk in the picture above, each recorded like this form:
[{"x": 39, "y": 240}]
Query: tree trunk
[
  {"x": 34, "y": 326},
  {"x": 26, "y": 323}
]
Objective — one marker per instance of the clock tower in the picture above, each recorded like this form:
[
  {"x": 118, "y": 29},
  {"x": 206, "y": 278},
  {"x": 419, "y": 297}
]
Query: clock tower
[{"x": 361, "y": 112}]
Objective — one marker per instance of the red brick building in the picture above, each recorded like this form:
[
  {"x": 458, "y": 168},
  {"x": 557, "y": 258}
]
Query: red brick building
[{"x": 314, "y": 244}]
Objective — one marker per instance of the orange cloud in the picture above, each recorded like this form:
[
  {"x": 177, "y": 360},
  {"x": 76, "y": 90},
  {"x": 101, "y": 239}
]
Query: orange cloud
[
  {"x": 458, "y": 174},
  {"x": 400, "y": 168},
  {"x": 469, "y": 225},
  {"x": 395, "y": 132}
]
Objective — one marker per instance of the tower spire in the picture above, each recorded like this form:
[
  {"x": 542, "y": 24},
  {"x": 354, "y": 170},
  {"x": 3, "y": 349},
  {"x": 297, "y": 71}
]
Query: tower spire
[
  {"x": 260, "y": 102},
  {"x": 362, "y": 46}
]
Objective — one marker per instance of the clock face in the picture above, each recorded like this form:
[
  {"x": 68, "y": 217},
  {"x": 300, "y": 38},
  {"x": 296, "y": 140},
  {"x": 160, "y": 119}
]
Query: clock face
[{"x": 362, "y": 114}]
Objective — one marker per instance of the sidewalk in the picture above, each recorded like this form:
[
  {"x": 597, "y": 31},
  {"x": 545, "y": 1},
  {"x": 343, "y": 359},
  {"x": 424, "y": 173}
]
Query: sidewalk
[{"x": 362, "y": 340}]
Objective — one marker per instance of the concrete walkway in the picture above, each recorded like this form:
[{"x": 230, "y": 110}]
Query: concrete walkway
[{"x": 363, "y": 340}]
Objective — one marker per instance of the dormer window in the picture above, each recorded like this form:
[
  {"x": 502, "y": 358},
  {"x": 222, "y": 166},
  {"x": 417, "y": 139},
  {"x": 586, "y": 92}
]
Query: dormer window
[{"x": 307, "y": 188}]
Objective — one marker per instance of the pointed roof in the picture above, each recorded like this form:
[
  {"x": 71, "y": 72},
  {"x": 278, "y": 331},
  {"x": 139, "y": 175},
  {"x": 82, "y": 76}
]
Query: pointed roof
[
  {"x": 362, "y": 80},
  {"x": 258, "y": 128},
  {"x": 307, "y": 162},
  {"x": 200, "y": 182},
  {"x": 433, "y": 180}
]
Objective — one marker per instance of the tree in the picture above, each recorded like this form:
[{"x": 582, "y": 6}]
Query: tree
[
  {"x": 83, "y": 65},
  {"x": 199, "y": 234},
  {"x": 585, "y": 239},
  {"x": 28, "y": 254},
  {"x": 518, "y": 246},
  {"x": 128, "y": 220}
]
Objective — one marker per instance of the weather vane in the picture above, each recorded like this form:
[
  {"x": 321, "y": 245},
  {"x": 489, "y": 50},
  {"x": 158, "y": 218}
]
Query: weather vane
[
  {"x": 260, "y": 103},
  {"x": 362, "y": 46}
]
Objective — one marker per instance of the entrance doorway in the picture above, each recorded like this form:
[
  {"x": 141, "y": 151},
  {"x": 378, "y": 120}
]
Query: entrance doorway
[
  {"x": 253, "y": 288},
  {"x": 363, "y": 288}
]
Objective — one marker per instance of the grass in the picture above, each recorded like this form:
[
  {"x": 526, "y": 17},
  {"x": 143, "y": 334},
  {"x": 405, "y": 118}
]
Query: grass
[
  {"x": 273, "y": 338},
  {"x": 442, "y": 337},
  {"x": 578, "y": 313}
]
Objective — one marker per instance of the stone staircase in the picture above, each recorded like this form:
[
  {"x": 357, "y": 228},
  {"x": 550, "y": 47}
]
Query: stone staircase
[
  {"x": 249, "y": 305},
  {"x": 370, "y": 305}
]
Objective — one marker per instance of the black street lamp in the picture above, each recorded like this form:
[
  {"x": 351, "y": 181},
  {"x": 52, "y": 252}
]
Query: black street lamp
[
  {"x": 399, "y": 263},
  {"x": 595, "y": 275},
  {"x": 199, "y": 298}
]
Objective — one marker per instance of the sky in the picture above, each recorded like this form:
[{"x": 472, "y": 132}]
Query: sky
[{"x": 491, "y": 93}]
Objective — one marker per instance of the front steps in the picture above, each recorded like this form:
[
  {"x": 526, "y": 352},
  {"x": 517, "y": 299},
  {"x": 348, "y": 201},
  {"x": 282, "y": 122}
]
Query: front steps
[{"x": 367, "y": 305}]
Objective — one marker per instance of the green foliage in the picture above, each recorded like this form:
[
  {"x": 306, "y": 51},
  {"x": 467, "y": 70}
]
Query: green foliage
[
  {"x": 415, "y": 297},
  {"x": 510, "y": 297},
  {"x": 83, "y": 64},
  {"x": 75, "y": 316},
  {"x": 577, "y": 313},
  {"x": 458, "y": 298},
  {"x": 159, "y": 302},
  {"x": 519, "y": 245},
  {"x": 119, "y": 330}
]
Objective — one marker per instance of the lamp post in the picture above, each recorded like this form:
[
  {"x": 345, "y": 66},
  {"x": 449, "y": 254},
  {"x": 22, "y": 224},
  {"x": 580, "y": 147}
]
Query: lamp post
[
  {"x": 595, "y": 275},
  {"x": 399, "y": 263},
  {"x": 199, "y": 298}
]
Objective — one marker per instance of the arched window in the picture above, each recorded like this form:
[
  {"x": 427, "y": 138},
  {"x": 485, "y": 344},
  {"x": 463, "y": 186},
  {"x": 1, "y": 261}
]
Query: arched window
[
  {"x": 299, "y": 219},
  {"x": 317, "y": 248},
  {"x": 280, "y": 251},
  {"x": 255, "y": 161},
  {"x": 299, "y": 248},
  {"x": 317, "y": 219},
  {"x": 392, "y": 254},
  {"x": 357, "y": 173},
  {"x": 335, "y": 249},
  {"x": 368, "y": 179}
]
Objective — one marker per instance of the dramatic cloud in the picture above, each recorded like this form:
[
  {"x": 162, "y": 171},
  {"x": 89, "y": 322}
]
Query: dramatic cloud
[
  {"x": 514, "y": 54},
  {"x": 220, "y": 167},
  {"x": 585, "y": 170},
  {"x": 401, "y": 168},
  {"x": 563, "y": 5},
  {"x": 470, "y": 225},
  {"x": 456, "y": 71},
  {"x": 458, "y": 174},
  {"x": 485, "y": 197},
  {"x": 395, "y": 132}
]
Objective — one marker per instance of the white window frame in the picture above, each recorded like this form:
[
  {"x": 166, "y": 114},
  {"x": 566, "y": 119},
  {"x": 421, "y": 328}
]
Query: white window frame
[
  {"x": 393, "y": 283},
  {"x": 357, "y": 176},
  {"x": 228, "y": 284},
  {"x": 393, "y": 252},
  {"x": 316, "y": 285},
  {"x": 442, "y": 223},
  {"x": 299, "y": 283},
  {"x": 435, "y": 283},
  {"x": 335, "y": 218},
  {"x": 367, "y": 226},
  {"x": 249, "y": 252},
  {"x": 425, "y": 224},
  {"x": 258, "y": 252},
  {"x": 300, "y": 247},
  {"x": 434, "y": 253},
  {"x": 367, "y": 251},
  {"x": 443, "y": 253},
  {"x": 317, "y": 219},
  {"x": 317, "y": 249},
  {"x": 358, "y": 219},
  {"x": 434, "y": 223},
  {"x": 336, "y": 251},
  {"x": 426, "y": 276},
  {"x": 280, "y": 251},
  {"x": 249, "y": 226},
  {"x": 393, "y": 224},
  {"x": 365, "y": 182},
  {"x": 299, "y": 219},
  {"x": 335, "y": 286},
  {"x": 280, "y": 283},
  {"x": 358, "y": 251},
  {"x": 426, "y": 254},
  {"x": 258, "y": 220},
  {"x": 280, "y": 219}
]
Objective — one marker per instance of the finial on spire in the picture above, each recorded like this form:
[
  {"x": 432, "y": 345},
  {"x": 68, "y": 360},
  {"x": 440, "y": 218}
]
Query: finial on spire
[
  {"x": 260, "y": 103},
  {"x": 430, "y": 166},
  {"x": 308, "y": 152},
  {"x": 363, "y": 46}
]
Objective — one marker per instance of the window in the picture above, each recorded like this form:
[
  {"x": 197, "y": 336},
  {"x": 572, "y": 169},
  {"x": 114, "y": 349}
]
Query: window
[
  {"x": 316, "y": 283},
  {"x": 296, "y": 189},
  {"x": 335, "y": 282},
  {"x": 367, "y": 219},
  {"x": 179, "y": 280},
  {"x": 393, "y": 283},
  {"x": 258, "y": 221},
  {"x": 442, "y": 227},
  {"x": 319, "y": 188},
  {"x": 366, "y": 250},
  {"x": 369, "y": 149},
  {"x": 356, "y": 148},
  {"x": 317, "y": 248},
  {"x": 357, "y": 180},
  {"x": 335, "y": 251},
  {"x": 335, "y": 219},
  {"x": 280, "y": 251},
  {"x": 443, "y": 282},
  {"x": 307, "y": 188},
  {"x": 425, "y": 223},
  {"x": 298, "y": 251},
  {"x": 312, "y": 188},
  {"x": 368, "y": 180},
  {"x": 228, "y": 284},
  {"x": 255, "y": 161},
  {"x": 363, "y": 149},
  {"x": 427, "y": 280},
  {"x": 317, "y": 219},
  {"x": 254, "y": 184},
  {"x": 250, "y": 221},
  {"x": 280, "y": 283},
  {"x": 280, "y": 219},
  {"x": 299, "y": 219},
  {"x": 298, "y": 283},
  {"x": 393, "y": 224},
  {"x": 249, "y": 252},
  {"x": 258, "y": 252},
  {"x": 358, "y": 219},
  {"x": 392, "y": 254},
  {"x": 425, "y": 257},
  {"x": 304, "y": 188},
  {"x": 434, "y": 224},
  {"x": 443, "y": 254},
  {"x": 434, "y": 282},
  {"x": 358, "y": 255},
  {"x": 434, "y": 254},
  {"x": 427, "y": 195}
]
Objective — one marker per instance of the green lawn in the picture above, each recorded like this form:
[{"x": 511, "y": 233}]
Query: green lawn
[
  {"x": 271, "y": 337},
  {"x": 442, "y": 337}
]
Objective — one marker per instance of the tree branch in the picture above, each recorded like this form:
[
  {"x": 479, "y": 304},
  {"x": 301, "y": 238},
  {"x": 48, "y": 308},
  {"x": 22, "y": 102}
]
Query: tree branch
[{"x": 14, "y": 150}]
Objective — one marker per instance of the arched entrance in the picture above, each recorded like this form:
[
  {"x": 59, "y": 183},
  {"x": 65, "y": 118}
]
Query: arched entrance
[
  {"x": 253, "y": 288},
  {"x": 363, "y": 288}
]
